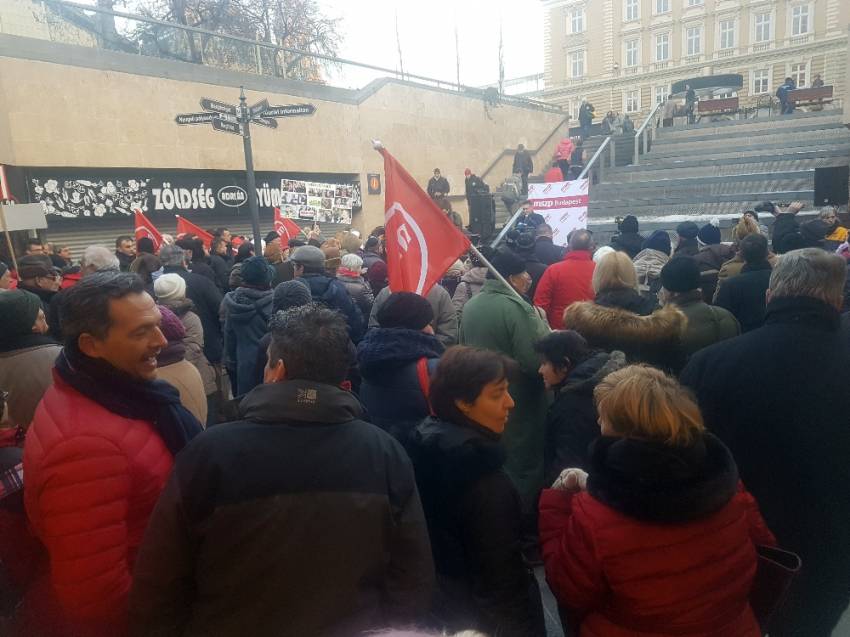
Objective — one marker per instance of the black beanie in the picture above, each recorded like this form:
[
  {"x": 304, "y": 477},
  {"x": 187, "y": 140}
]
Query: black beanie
[
  {"x": 709, "y": 234},
  {"x": 658, "y": 240},
  {"x": 507, "y": 263},
  {"x": 405, "y": 310},
  {"x": 681, "y": 274},
  {"x": 687, "y": 230},
  {"x": 18, "y": 311},
  {"x": 272, "y": 236},
  {"x": 628, "y": 224}
]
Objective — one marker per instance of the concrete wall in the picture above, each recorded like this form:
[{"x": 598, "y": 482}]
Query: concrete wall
[{"x": 65, "y": 106}]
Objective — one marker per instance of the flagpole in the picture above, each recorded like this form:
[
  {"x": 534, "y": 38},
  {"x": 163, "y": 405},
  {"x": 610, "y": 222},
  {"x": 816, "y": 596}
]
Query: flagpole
[{"x": 495, "y": 272}]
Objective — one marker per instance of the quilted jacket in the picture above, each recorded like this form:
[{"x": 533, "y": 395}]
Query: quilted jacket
[{"x": 92, "y": 479}]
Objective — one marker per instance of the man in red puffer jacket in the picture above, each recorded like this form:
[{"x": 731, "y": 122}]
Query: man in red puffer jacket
[
  {"x": 100, "y": 449},
  {"x": 567, "y": 282}
]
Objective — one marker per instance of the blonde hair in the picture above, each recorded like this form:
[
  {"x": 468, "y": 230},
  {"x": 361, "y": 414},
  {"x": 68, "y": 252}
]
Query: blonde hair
[
  {"x": 643, "y": 402},
  {"x": 746, "y": 226},
  {"x": 613, "y": 272}
]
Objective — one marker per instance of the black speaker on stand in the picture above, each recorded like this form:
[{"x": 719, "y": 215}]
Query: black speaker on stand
[{"x": 831, "y": 186}]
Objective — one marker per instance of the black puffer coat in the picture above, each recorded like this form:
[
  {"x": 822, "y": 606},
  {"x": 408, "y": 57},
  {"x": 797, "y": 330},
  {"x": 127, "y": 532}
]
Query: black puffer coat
[
  {"x": 626, "y": 299},
  {"x": 474, "y": 516},
  {"x": 571, "y": 424}
]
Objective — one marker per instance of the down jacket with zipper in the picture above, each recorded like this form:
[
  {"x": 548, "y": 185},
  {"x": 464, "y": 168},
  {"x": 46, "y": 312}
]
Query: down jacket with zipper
[
  {"x": 470, "y": 284},
  {"x": 92, "y": 480},
  {"x": 246, "y": 320},
  {"x": 662, "y": 543}
]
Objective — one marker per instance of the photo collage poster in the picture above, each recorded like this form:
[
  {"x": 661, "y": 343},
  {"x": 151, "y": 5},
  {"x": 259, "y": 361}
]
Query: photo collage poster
[{"x": 318, "y": 202}]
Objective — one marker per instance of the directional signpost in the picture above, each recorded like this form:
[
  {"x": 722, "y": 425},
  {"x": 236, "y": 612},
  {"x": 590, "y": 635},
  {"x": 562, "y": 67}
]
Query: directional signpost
[{"x": 229, "y": 118}]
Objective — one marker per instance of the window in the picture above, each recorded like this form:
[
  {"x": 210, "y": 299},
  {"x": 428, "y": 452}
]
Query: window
[
  {"x": 632, "y": 52},
  {"x": 661, "y": 93},
  {"x": 632, "y": 100},
  {"x": 577, "y": 20},
  {"x": 800, "y": 20},
  {"x": 695, "y": 3},
  {"x": 693, "y": 37},
  {"x": 632, "y": 10},
  {"x": 577, "y": 64},
  {"x": 727, "y": 34},
  {"x": 761, "y": 81},
  {"x": 662, "y": 6},
  {"x": 764, "y": 27},
  {"x": 799, "y": 73},
  {"x": 662, "y": 47}
]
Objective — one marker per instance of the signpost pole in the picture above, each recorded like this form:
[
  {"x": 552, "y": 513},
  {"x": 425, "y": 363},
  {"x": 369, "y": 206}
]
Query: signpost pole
[{"x": 253, "y": 204}]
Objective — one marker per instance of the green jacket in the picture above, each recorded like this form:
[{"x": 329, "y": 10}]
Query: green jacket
[
  {"x": 707, "y": 324},
  {"x": 497, "y": 320}
]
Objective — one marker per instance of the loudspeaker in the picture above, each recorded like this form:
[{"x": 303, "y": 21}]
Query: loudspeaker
[{"x": 831, "y": 186}]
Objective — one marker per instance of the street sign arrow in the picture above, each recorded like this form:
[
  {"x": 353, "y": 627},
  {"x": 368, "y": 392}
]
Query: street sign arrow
[
  {"x": 289, "y": 110},
  {"x": 215, "y": 106},
  {"x": 258, "y": 108},
  {"x": 264, "y": 121},
  {"x": 226, "y": 127},
  {"x": 194, "y": 118}
]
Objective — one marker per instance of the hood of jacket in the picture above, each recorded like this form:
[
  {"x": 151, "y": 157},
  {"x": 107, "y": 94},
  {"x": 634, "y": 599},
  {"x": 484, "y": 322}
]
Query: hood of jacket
[
  {"x": 179, "y": 306},
  {"x": 300, "y": 401},
  {"x": 649, "y": 262},
  {"x": 659, "y": 483},
  {"x": 587, "y": 375},
  {"x": 384, "y": 349},
  {"x": 243, "y": 304},
  {"x": 606, "y": 324},
  {"x": 626, "y": 299},
  {"x": 475, "y": 276},
  {"x": 467, "y": 452}
]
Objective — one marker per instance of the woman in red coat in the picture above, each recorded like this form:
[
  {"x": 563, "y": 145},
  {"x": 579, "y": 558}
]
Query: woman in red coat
[{"x": 659, "y": 538}]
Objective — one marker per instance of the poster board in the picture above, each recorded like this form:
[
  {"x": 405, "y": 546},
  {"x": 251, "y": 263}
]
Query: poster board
[
  {"x": 563, "y": 205},
  {"x": 25, "y": 216}
]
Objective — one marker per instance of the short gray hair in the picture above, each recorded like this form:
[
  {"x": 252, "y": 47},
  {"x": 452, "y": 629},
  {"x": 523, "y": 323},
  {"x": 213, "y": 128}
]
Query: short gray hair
[
  {"x": 172, "y": 255},
  {"x": 99, "y": 259},
  {"x": 352, "y": 262},
  {"x": 809, "y": 272}
]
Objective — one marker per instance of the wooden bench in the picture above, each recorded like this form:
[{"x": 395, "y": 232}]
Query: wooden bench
[
  {"x": 810, "y": 96},
  {"x": 721, "y": 106}
]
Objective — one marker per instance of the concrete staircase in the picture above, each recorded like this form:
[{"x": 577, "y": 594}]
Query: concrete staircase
[{"x": 719, "y": 169}]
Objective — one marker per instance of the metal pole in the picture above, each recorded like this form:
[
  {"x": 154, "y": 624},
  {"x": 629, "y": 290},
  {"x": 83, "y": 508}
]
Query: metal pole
[
  {"x": 253, "y": 205},
  {"x": 495, "y": 272}
]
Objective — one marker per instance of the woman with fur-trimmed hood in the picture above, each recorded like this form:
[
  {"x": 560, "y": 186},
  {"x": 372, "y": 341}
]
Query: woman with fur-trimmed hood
[{"x": 655, "y": 339}]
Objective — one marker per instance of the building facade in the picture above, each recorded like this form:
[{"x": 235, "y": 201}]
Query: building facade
[{"x": 623, "y": 55}]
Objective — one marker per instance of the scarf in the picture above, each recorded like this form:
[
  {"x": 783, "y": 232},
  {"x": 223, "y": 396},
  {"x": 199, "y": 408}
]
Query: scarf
[
  {"x": 25, "y": 342},
  {"x": 154, "y": 401}
]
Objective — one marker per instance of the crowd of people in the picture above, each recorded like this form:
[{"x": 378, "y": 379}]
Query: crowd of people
[{"x": 225, "y": 439}]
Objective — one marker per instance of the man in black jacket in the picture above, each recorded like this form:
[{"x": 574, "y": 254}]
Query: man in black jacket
[
  {"x": 299, "y": 519},
  {"x": 438, "y": 185},
  {"x": 544, "y": 246},
  {"x": 744, "y": 294},
  {"x": 125, "y": 250},
  {"x": 523, "y": 166},
  {"x": 203, "y": 293},
  {"x": 774, "y": 396}
]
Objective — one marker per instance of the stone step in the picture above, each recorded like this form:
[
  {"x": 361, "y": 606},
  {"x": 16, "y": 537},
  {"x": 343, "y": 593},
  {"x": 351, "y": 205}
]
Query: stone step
[
  {"x": 752, "y": 124},
  {"x": 706, "y": 207},
  {"x": 778, "y": 148},
  {"x": 725, "y": 134},
  {"x": 710, "y": 185},
  {"x": 789, "y": 139}
]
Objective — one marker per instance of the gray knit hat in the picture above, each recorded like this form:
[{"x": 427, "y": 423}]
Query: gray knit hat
[{"x": 290, "y": 294}]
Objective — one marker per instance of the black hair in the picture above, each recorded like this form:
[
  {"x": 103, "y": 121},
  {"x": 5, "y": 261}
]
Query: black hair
[
  {"x": 753, "y": 248},
  {"x": 85, "y": 307},
  {"x": 122, "y": 239},
  {"x": 34, "y": 241},
  {"x": 313, "y": 343},
  {"x": 219, "y": 231},
  {"x": 564, "y": 349},
  {"x": 244, "y": 251},
  {"x": 217, "y": 241},
  {"x": 462, "y": 374}
]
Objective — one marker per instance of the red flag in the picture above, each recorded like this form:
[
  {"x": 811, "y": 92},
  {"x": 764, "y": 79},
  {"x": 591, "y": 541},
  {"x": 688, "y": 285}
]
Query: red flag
[
  {"x": 184, "y": 226},
  {"x": 286, "y": 228},
  {"x": 145, "y": 228},
  {"x": 422, "y": 243}
]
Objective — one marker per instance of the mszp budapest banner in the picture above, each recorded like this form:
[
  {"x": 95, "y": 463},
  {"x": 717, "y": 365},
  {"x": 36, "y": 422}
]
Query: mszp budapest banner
[{"x": 563, "y": 205}]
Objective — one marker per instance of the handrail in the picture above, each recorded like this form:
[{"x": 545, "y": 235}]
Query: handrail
[
  {"x": 641, "y": 132},
  {"x": 593, "y": 159},
  {"x": 510, "y": 151},
  {"x": 649, "y": 117}
]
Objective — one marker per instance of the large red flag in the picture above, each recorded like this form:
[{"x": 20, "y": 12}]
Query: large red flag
[
  {"x": 286, "y": 228},
  {"x": 184, "y": 226},
  {"x": 422, "y": 243},
  {"x": 145, "y": 228}
]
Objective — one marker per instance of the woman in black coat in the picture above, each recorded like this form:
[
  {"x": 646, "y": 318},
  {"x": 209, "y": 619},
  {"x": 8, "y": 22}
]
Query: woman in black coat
[
  {"x": 472, "y": 508},
  {"x": 572, "y": 370}
]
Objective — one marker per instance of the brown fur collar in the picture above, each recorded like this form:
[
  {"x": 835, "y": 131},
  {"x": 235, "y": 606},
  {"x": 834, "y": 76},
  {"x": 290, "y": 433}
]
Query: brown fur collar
[{"x": 604, "y": 326}]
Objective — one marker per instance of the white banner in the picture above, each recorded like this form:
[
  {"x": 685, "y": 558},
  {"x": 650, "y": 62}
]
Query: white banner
[{"x": 563, "y": 204}]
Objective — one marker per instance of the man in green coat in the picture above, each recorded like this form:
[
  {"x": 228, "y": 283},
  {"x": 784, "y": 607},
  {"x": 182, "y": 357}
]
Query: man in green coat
[
  {"x": 707, "y": 324},
  {"x": 497, "y": 319}
]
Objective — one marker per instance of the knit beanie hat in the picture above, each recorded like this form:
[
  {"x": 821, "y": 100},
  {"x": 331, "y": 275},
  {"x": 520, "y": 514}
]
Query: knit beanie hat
[
  {"x": 681, "y": 274},
  {"x": 658, "y": 240},
  {"x": 169, "y": 287},
  {"x": 601, "y": 253},
  {"x": 257, "y": 272},
  {"x": 171, "y": 326},
  {"x": 291, "y": 294},
  {"x": 628, "y": 224},
  {"x": 405, "y": 310},
  {"x": 507, "y": 263},
  {"x": 18, "y": 311},
  {"x": 687, "y": 230},
  {"x": 709, "y": 234}
]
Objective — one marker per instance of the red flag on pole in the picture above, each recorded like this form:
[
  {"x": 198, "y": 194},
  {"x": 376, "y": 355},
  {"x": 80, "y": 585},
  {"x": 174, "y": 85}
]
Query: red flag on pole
[
  {"x": 286, "y": 228},
  {"x": 145, "y": 228},
  {"x": 422, "y": 243},
  {"x": 184, "y": 226}
]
